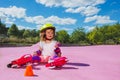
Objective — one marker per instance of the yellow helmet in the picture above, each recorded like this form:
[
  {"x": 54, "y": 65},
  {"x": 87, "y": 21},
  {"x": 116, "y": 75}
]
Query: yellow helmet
[{"x": 47, "y": 26}]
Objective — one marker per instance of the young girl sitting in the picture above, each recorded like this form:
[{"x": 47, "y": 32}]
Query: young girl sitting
[{"x": 49, "y": 48}]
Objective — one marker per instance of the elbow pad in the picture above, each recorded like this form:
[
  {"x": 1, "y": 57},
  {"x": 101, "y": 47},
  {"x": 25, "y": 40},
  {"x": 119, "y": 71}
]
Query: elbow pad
[{"x": 57, "y": 50}]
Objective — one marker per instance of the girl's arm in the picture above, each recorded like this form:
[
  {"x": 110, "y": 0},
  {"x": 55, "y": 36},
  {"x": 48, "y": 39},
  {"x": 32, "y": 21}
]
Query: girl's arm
[{"x": 57, "y": 49}]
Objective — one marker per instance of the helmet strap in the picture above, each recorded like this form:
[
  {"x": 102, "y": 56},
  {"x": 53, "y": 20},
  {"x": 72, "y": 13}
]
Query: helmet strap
[{"x": 48, "y": 39}]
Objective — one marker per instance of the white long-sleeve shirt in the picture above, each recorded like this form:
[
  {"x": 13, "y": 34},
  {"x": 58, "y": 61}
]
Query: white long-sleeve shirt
[{"x": 48, "y": 48}]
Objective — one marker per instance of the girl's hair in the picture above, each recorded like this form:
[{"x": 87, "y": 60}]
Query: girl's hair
[{"x": 43, "y": 35}]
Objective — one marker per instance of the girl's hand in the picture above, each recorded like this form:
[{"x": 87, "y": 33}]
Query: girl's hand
[{"x": 37, "y": 53}]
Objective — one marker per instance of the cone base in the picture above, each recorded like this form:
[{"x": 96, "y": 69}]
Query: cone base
[{"x": 29, "y": 71}]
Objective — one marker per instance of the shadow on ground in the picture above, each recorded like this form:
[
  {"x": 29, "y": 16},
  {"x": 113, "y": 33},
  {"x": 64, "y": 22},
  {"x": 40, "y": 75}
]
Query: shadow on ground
[{"x": 78, "y": 64}]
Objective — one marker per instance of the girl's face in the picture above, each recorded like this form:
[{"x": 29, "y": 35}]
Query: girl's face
[{"x": 49, "y": 34}]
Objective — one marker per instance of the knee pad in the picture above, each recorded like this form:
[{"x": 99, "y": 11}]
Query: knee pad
[{"x": 36, "y": 59}]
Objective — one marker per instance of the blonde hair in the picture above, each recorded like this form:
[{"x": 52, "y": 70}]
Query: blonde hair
[{"x": 42, "y": 36}]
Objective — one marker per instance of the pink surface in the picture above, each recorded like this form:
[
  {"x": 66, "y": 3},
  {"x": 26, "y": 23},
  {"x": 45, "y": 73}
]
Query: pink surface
[{"x": 85, "y": 63}]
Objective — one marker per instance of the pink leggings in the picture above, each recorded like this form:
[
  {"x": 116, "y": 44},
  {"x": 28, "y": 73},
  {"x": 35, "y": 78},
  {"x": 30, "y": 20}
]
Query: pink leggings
[{"x": 44, "y": 58}]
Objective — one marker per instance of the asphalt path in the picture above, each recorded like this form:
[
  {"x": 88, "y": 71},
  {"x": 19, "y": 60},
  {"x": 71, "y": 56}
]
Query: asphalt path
[{"x": 85, "y": 63}]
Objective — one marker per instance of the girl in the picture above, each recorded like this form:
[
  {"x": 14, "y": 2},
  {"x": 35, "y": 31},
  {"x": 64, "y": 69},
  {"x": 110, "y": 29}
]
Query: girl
[{"x": 49, "y": 48}]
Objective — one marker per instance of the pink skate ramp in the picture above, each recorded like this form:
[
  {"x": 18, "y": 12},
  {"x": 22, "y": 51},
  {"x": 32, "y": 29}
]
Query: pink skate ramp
[{"x": 85, "y": 63}]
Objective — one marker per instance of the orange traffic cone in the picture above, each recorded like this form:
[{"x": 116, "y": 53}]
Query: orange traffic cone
[{"x": 29, "y": 71}]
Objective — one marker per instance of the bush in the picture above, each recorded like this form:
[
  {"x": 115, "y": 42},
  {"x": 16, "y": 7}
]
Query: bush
[
  {"x": 110, "y": 42},
  {"x": 83, "y": 43},
  {"x": 99, "y": 43}
]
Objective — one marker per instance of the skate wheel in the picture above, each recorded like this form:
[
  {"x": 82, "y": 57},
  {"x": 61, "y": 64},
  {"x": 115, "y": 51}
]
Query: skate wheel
[{"x": 9, "y": 65}]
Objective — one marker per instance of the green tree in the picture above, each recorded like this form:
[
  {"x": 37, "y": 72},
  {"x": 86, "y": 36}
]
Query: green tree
[
  {"x": 13, "y": 31},
  {"x": 21, "y": 33},
  {"x": 114, "y": 33},
  {"x": 78, "y": 35},
  {"x": 27, "y": 33},
  {"x": 95, "y": 36},
  {"x": 117, "y": 33},
  {"x": 3, "y": 29},
  {"x": 62, "y": 36},
  {"x": 106, "y": 34},
  {"x": 34, "y": 33}
]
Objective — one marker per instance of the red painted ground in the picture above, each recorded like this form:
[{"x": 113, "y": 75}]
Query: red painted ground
[{"x": 85, "y": 63}]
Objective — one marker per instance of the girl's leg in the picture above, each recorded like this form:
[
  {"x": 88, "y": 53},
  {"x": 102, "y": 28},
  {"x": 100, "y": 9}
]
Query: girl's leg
[
  {"x": 40, "y": 59},
  {"x": 44, "y": 58},
  {"x": 36, "y": 57}
]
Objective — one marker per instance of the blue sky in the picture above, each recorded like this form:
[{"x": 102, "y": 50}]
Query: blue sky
[{"x": 64, "y": 14}]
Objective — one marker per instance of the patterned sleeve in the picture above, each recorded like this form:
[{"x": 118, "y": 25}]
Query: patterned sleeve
[
  {"x": 41, "y": 45},
  {"x": 57, "y": 44}
]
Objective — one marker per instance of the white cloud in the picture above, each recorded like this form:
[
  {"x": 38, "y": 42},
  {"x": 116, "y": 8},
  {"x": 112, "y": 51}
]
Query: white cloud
[
  {"x": 20, "y": 27},
  {"x": 9, "y": 20},
  {"x": 84, "y": 7},
  {"x": 60, "y": 21},
  {"x": 99, "y": 19},
  {"x": 6, "y": 19},
  {"x": 35, "y": 19},
  {"x": 89, "y": 28},
  {"x": 90, "y": 10},
  {"x": 50, "y": 3},
  {"x": 38, "y": 26},
  {"x": 80, "y": 3},
  {"x": 9, "y": 15},
  {"x": 70, "y": 3},
  {"x": 87, "y": 11},
  {"x": 87, "y": 8},
  {"x": 75, "y": 10},
  {"x": 52, "y": 19},
  {"x": 13, "y": 11}
]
